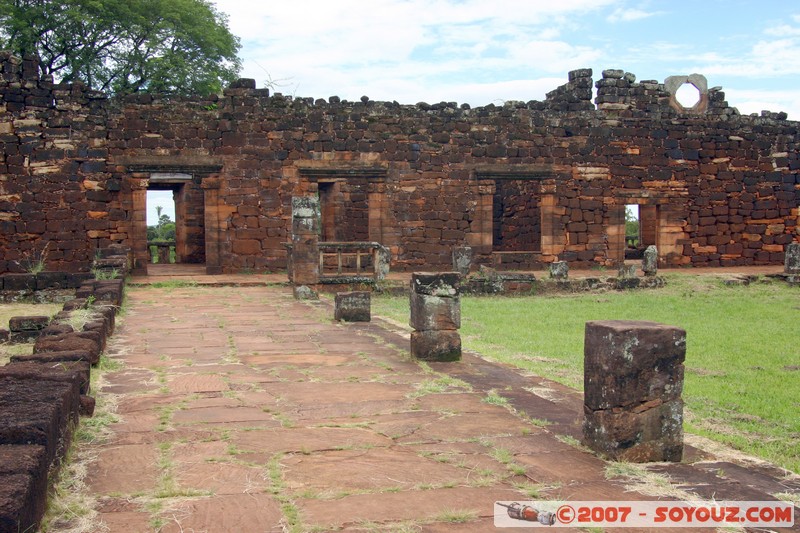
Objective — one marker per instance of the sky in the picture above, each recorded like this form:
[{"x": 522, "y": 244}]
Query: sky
[{"x": 481, "y": 51}]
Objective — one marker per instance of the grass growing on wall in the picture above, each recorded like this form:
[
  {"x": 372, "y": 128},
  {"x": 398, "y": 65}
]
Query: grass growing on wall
[{"x": 742, "y": 382}]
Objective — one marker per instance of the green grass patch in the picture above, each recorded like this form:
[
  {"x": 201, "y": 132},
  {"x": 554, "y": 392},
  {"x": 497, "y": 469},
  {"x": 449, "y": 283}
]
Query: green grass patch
[{"x": 743, "y": 356}]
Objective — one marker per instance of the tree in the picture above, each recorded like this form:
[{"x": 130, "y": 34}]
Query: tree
[
  {"x": 125, "y": 46},
  {"x": 632, "y": 222},
  {"x": 164, "y": 230}
]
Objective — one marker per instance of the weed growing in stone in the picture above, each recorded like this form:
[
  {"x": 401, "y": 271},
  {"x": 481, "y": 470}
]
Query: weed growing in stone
[
  {"x": 439, "y": 385},
  {"x": 533, "y": 490},
  {"x": 493, "y": 398},
  {"x": 636, "y": 477},
  {"x": 456, "y": 516},
  {"x": 277, "y": 488},
  {"x": 34, "y": 262},
  {"x": 69, "y": 505}
]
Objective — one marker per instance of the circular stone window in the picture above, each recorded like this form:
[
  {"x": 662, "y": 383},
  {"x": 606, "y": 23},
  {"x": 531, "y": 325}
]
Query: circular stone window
[{"x": 688, "y": 95}]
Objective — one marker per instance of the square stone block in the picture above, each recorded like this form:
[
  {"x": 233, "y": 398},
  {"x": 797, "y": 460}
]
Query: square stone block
[
  {"x": 19, "y": 282},
  {"x": 353, "y": 306},
  {"x": 28, "y": 323},
  {"x": 646, "y": 434},
  {"x": 791, "y": 261},
  {"x": 304, "y": 292},
  {"x": 462, "y": 259},
  {"x": 305, "y": 262},
  {"x": 434, "y": 312},
  {"x": 51, "y": 280},
  {"x": 559, "y": 270},
  {"x": 24, "y": 337},
  {"x": 436, "y": 345},
  {"x": 627, "y": 363},
  {"x": 445, "y": 284}
]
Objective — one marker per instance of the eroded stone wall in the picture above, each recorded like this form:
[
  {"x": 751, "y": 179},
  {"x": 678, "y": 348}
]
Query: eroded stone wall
[{"x": 721, "y": 189}]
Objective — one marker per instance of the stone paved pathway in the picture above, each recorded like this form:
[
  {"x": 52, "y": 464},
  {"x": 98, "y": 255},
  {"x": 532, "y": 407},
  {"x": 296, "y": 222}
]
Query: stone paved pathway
[{"x": 242, "y": 410}]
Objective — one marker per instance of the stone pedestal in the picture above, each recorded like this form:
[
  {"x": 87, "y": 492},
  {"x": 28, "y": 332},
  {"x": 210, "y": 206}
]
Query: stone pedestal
[
  {"x": 305, "y": 240},
  {"x": 791, "y": 262},
  {"x": 559, "y": 270},
  {"x": 462, "y": 259},
  {"x": 633, "y": 380},
  {"x": 435, "y": 316},
  {"x": 627, "y": 271},
  {"x": 383, "y": 261},
  {"x": 436, "y": 345},
  {"x": 650, "y": 261},
  {"x": 352, "y": 306}
]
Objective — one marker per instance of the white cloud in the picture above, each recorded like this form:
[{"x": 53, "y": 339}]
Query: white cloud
[
  {"x": 351, "y": 47},
  {"x": 629, "y": 15},
  {"x": 784, "y": 30},
  {"x": 754, "y": 101},
  {"x": 470, "y": 51},
  {"x": 765, "y": 58}
]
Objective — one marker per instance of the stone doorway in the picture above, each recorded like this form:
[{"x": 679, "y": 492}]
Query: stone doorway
[
  {"x": 189, "y": 242},
  {"x": 344, "y": 210},
  {"x": 516, "y": 216},
  {"x": 647, "y": 214},
  {"x": 195, "y": 190}
]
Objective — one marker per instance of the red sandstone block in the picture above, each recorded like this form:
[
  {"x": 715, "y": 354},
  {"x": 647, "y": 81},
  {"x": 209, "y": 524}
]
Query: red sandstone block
[
  {"x": 650, "y": 433},
  {"x": 19, "y": 506},
  {"x": 22, "y": 501},
  {"x": 53, "y": 357},
  {"x": 436, "y": 345},
  {"x": 77, "y": 372},
  {"x": 434, "y": 312},
  {"x": 630, "y": 362},
  {"x": 27, "y": 323},
  {"x": 69, "y": 342},
  {"x": 352, "y": 306},
  {"x": 40, "y": 415}
]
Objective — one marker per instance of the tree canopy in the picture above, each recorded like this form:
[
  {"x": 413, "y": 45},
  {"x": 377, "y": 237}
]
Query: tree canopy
[
  {"x": 125, "y": 46},
  {"x": 163, "y": 231}
]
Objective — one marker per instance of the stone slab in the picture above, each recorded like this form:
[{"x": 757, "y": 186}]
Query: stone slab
[
  {"x": 371, "y": 469},
  {"x": 226, "y": 513},
  {"x": 412, "y": 505},
  {"x": 193, "y": 383},
  {"x": 222, "y": 477},
  {"x": 307, "y": 439},
  {"x": 222, "y": 415},
  {"x": 124, "y": 469}
]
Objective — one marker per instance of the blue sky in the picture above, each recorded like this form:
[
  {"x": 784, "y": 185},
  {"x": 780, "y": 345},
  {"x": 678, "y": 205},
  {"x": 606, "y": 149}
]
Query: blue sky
[{"x": 480, "y": 52}]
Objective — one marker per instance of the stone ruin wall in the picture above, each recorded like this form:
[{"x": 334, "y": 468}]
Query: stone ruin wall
[{"x": 722, "y": 189}]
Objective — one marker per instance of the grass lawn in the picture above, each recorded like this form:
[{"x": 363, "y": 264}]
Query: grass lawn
[{"x": 742, "y": 383}]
